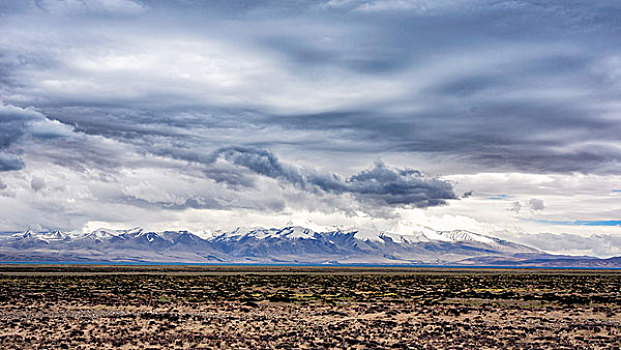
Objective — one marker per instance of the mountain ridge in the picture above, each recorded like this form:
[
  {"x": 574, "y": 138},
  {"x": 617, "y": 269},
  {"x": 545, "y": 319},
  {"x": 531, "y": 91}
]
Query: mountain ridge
[{"x": 281, "y": 245}]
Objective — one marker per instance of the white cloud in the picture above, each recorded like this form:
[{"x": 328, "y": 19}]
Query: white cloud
[
  {"x": 536, "y": 204},
  {"x": 37, "y": 184},
  {"x": 516, "y": 207},
  {"x": 46, "y": 128}
]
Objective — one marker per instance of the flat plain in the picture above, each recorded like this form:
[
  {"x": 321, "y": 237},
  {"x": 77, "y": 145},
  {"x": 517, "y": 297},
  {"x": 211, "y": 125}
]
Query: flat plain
[{"x": 270, "y": 307}]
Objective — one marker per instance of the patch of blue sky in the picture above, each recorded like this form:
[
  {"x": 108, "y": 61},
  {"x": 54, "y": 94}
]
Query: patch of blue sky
[
  {"x": 500, "y": 196},
  {"x": 582, "y": 222}
]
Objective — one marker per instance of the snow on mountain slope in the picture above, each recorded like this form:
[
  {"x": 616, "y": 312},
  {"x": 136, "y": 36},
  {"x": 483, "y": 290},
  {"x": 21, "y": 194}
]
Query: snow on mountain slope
[
  {"x": 297, "y": 232},
  {"x": 459, "y": 236},
  {"x": 100, "y": 234},
  {"x": 423, "y": 236},
  {"x": 259, "y": 245},
  {"x": 375, "y": 236},
  {"x": 367, "y": 235},
  {"x": 289, "y": 232}
]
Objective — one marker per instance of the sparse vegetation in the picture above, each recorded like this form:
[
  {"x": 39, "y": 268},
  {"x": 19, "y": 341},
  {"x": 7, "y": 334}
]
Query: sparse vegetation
[{"x": 106, "y": 307}]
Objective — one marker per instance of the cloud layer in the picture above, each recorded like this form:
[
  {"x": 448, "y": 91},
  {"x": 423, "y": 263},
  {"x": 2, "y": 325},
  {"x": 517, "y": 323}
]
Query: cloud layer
[
  {"x": 131, "y": 111},
  {"x": 509, "y": 85}
]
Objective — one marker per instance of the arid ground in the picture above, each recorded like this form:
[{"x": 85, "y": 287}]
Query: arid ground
[{"x": 194, "y": 307}]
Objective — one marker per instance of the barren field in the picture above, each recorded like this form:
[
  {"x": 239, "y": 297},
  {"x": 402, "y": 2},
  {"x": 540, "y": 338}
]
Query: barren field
[{"x": 191, "y": 307}]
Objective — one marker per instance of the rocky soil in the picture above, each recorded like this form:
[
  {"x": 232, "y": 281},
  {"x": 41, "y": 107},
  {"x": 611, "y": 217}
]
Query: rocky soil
[{"x": 310, "y": 310}]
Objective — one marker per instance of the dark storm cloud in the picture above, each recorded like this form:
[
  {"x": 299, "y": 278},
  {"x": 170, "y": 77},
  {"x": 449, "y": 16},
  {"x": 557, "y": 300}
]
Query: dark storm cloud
[
  {"x": 15, "y": 124},
  {"x": 379, "y": 185},
  {"x": 261, "y": 162}
]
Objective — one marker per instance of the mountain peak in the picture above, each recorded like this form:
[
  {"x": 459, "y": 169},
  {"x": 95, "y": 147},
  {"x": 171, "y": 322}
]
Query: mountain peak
[
  {"x": 287, "y": 232},
  {"x": 297, "y": 232},
  {"x": 463, "y": 235},
  {"x": 295, "y": 244},
  {"x": 25, "y": 234},
  {"x": 134, "y": 231},
  {"x": 58, "y": 234},
  {"x": 367, "y": 235}
]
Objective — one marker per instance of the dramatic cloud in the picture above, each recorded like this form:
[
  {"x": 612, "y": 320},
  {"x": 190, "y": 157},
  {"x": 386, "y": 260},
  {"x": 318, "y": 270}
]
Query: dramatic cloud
[
  {"x": 380, "y": 184},
  {"x": 504, "y": 86},
  {"x": 143, "y": 112},
  {"x": 518, "y": 96}
]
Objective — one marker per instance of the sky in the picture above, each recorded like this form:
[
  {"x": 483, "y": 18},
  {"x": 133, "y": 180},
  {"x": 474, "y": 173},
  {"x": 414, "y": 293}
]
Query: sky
[{"x": 501, "y": 117}]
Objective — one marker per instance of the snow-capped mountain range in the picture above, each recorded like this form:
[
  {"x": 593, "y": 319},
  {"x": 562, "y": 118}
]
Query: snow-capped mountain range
[{"x": 290, "y": 244}]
